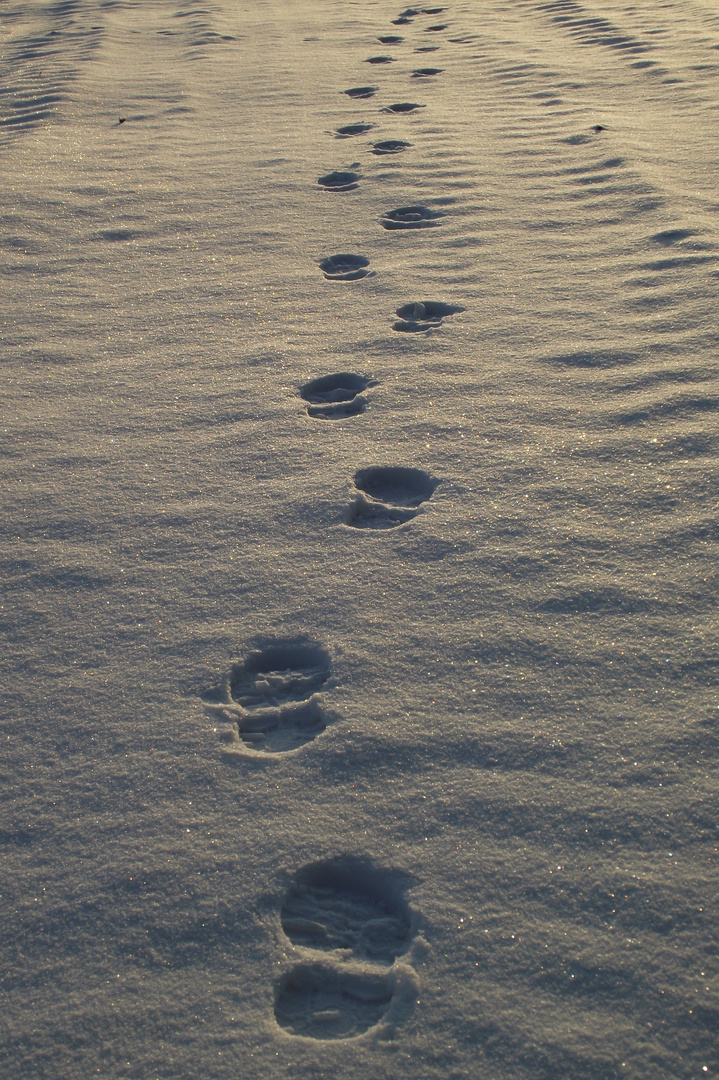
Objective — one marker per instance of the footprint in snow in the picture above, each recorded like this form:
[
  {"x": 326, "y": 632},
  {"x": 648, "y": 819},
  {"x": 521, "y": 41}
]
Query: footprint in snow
[
  {"x": 270, "y": 700},
  {"x": 349, "y": 131},
  {"x": 423, "y": 315},
  {"x": 335, "y": 397},
  {"x": 389, "y": 146},
  {"x": 349, "y": 905},
  {"x": 411, "y": 217},
  {"x": 355, "y": 914},
  {"x": 388, "y": 497},
  {"x": 361, "y": 91},
  {"x": 345, "y": 267},
  {"x": 339, "y": 181},
  {"x": 403, "y": 107}
]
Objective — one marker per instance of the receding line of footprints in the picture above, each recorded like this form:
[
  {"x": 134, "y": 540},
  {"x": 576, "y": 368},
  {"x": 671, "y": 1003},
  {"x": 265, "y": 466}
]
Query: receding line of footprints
[{"x": 346, "y": 919}]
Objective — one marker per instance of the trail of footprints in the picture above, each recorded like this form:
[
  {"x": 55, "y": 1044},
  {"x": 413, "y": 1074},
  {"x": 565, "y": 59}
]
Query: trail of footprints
[{"x": 346, "y": 919}]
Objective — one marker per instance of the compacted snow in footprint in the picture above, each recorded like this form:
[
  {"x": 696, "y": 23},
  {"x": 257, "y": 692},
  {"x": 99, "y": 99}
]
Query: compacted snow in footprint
[{"x": 359, "y": 459}]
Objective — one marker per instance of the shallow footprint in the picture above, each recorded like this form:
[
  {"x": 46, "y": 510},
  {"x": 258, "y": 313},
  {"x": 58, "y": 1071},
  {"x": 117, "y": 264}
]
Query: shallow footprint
[
  {"x": 339, "y": 181},
  {"x": 389, "y": 146},
  {"x": 335, "y": 397},
  {"x": 421, "y": 316},
  {"x": 403, "y": 107},
  {"x": 350, "y": 130},
  {"x": 319, "y": 1002},
  {"x": 351, "y": 905},
  {"x": 277, "y": 731},
  {"x": 363, "y": 514},
  {"x": 361, "y": 91},
  {"x": 434, "y": 29},
  {"x": 379, "y": 60},
  {"x": 411, "y": 217},
  {"x": 426, "y": 73},
  {"x": 345, "y": 267}
]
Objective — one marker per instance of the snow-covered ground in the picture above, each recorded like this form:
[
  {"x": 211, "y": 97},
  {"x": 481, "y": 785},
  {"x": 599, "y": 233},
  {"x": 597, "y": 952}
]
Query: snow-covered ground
[{"x": 363, "y": 727}]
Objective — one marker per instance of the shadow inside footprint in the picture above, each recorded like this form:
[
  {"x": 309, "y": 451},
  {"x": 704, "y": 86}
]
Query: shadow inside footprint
[
  {"x": 411, "y": 217},
  {"x": 350, "y": 130},
  {"x": 350, "y": 905},
  {"x": 389, "y": 146},
  {"x": 403, "y": 107},
  {"x": 339, "y": 181},
  {"x": 421, "y": 316},
  {"x": 270, "y": 700},
  {"x": 335, "y": 397},
  {"x": 319, "y": 1002},
  {"x": 396, "y": 484},
  {"x": 279, "y": 672},
  {"x": 390, "y": 39},
  {"x": 345, "y": 267},
  {"x": 426, "y": 73},
  {"x": 388, "y": 496},
  {"x": 379, "y": 60},
  {"x": 361, "y": 91},
  {"x": 434, "y": 29}
]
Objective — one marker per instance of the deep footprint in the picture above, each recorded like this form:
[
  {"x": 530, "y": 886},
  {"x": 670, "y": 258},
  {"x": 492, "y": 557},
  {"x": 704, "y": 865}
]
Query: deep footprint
[
  {"x": 318, "y": 1002},
  {"x": 350, "y": 905},
  {"x": 421, "y": 316},
  {"x": 388, "y": 495},
  {"x": 361, "y": 91},
  {"x": 339, "y": 181},
  {"x": 335, "y": 397},
  {"x": 390, "y": 39},
  {"x": 379, "y": 60},
  {"x": 270, "y": 699},
  {"x": 350, "y": 130},
  {"x": 426, "y": 73},
  {"x": 403, "y": 107},
  {"x": 345, "y": 267},
  {"x": 389, "y": 146},
  {"x": 411, "y": 217},
  {"x": 396, "y": 484},
  {"x": 282, "y": 671}
]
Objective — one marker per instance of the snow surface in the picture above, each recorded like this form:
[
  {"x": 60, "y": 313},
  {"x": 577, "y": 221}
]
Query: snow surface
[{"x": 360, "y": 728}]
